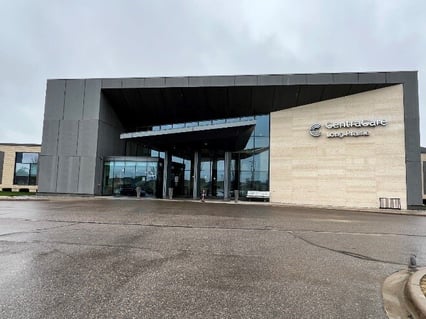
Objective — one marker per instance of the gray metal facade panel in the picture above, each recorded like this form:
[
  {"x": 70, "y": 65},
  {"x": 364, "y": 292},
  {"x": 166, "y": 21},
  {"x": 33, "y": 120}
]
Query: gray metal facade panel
[
  {"x": 424, "y": 178},
  {"x": 414, "y": 184},
  {"x": 195, "y": 81},
  {"x": 86, "y": 180},
  {"x": 270, "y": 80},
  {"x": 400, "y": 77},
  {"x": 245, "y": 80},
  {"x": 411, "y": 107},
  {"x": 92, "y": 99},
  {"x": 74, "y": 97},
  {"x": 412, "y": 133},
  {"x": 177, "y": 82},
  {"x": 412, "y": 140},
  {"x": 47, "y": 173},
  {"x": 111, "y": 83},
  {"x": 295, "y": 79},
  {"x": 222, "y": 81},
  {"x": 133, "y": 83},
  {"x": 55, "y": 99},
  {"x": 68, "y": 136},
  {"x": 49, "y": 145},
  {"x": 319, "y": 78},
  {"x": 368, "y": 78},
  {"x": 68, "y": 174},
  {"x": 87, "y": 138},
  {"x": 155, "y": 82},
  {"x": 98, "y": 176},
  {"x": 345, "y": 78}
]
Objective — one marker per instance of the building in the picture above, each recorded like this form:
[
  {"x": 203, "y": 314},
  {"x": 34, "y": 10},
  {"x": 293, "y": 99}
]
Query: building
[
  {"x": 337, "y": 139},
  {"x": 18, "y": 167},
  {"x": 423, "y": 159}
]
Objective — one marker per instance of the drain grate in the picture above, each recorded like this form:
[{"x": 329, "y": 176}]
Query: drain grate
[{"x": 390, "y": 203}]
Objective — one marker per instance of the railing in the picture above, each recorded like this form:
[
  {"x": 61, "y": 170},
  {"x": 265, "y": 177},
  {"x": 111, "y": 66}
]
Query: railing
[{"x": 165, "y": 127}]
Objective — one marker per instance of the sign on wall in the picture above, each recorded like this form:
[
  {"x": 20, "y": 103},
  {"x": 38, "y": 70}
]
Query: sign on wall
[{"x": 355, "y": 128}]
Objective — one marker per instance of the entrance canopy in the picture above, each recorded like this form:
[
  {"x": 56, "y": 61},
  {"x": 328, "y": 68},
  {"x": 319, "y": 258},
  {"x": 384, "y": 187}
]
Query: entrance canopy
[{"x": 185, "y": 138}]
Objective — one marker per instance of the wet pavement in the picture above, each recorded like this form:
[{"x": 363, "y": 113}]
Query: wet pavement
[{"x": 105, "y": 258}]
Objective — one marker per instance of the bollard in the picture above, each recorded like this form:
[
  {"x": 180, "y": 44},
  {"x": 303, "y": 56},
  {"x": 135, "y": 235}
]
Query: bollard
[
  {"x": 170, "y": 192},
  {"x": 236, "y": 194}
]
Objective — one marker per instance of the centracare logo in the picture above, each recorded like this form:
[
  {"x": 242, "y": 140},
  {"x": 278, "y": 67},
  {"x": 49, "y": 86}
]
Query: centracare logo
[
  {"x": 315, "y": 130},
  {"x": 355, "y": 128}
]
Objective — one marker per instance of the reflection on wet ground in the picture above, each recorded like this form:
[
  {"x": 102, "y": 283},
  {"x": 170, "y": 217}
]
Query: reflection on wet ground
[{"x": 150, "y": 258}]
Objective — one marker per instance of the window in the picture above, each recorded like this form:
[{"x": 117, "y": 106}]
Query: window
[
  {"x": 122, "y": 177},
  {"x": 262, "y": 125},
  {"x": 26, "y": 166},
  {"x": 251, "y": 169}
]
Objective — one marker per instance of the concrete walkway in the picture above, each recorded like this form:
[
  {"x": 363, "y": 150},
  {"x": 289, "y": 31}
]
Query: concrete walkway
[{"x": 403, "y": 296}]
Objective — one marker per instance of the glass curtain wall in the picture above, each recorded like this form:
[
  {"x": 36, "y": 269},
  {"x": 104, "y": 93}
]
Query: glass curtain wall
[
  {"x": 121, "y": 177},
  {"x": 249, "y": 170},
  {"x": 250, "y": 167}
]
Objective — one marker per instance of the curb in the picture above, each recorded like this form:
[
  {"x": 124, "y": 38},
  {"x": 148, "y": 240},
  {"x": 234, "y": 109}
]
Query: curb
[
  {"x": 417, "y": 213},
  {"x": 415, "y": 293}
]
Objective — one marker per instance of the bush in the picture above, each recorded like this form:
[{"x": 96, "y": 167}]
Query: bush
[
  {"x": 24, "y": 190},
  {"x": 6, "y": 189}
]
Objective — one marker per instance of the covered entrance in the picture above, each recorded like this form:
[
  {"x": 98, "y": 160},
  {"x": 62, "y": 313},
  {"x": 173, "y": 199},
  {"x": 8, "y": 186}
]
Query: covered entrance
[{"x": 217, "y": 156}]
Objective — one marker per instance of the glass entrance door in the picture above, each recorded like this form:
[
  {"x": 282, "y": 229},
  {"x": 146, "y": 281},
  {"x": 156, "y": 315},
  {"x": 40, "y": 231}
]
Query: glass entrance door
[
  {"x": 212, "y": 173},
  {"x": 206, "y": 176}
]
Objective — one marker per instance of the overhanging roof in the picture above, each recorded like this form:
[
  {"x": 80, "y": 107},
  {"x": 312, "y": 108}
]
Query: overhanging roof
[
  {"x": 140, "y": 102},
  {"x": 219, "y": 138}
]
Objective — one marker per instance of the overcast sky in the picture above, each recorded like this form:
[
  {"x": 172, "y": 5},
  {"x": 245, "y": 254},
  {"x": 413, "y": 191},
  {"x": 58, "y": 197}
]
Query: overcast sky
[{"x": 47, "y": 39}]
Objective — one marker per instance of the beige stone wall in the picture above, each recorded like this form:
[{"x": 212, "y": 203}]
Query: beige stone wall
[
  {"x": 9, "y": 151},
  {"x": 347, "y": 172}
]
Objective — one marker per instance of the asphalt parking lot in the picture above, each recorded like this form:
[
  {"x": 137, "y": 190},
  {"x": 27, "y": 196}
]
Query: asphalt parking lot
[{"x": 106, "y": 258}]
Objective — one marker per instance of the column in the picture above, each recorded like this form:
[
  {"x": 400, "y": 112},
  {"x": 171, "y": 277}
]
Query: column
[
  {"x": 196, "y": 176},
  {"x": 227, "y": 175},
  {"x": 214, "y": 176},
  {"x": 167, "y": 173}
]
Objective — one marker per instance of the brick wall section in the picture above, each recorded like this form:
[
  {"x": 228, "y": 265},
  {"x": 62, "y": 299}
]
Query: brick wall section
[{"x": 9, "y": 154}]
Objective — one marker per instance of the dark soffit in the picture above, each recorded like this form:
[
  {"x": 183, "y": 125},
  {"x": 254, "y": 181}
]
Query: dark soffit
[{"x": 140, "y": 107}]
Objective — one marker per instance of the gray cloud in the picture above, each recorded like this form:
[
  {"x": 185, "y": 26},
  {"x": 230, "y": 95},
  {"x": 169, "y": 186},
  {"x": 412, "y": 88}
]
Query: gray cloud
[{"x": 61, "y": 39}]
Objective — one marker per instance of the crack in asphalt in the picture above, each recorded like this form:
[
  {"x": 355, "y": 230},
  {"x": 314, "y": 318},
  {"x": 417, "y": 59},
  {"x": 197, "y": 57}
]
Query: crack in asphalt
[
  {"x": 80, "y": 244},
  {"x": 345, "y": 252},
  {"x": 264, "y": 228},
  {"x": 160, "y": 252},
  {"x": 267, "y": 227},
  {"x": 38, "y": 230}
]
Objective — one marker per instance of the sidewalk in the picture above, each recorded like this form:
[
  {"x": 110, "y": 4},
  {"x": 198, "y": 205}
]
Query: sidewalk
[
  {"x": 416, "y": 291},
  {"x": 404, "y": 294},
  {"x": 408, "y": 212}
]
